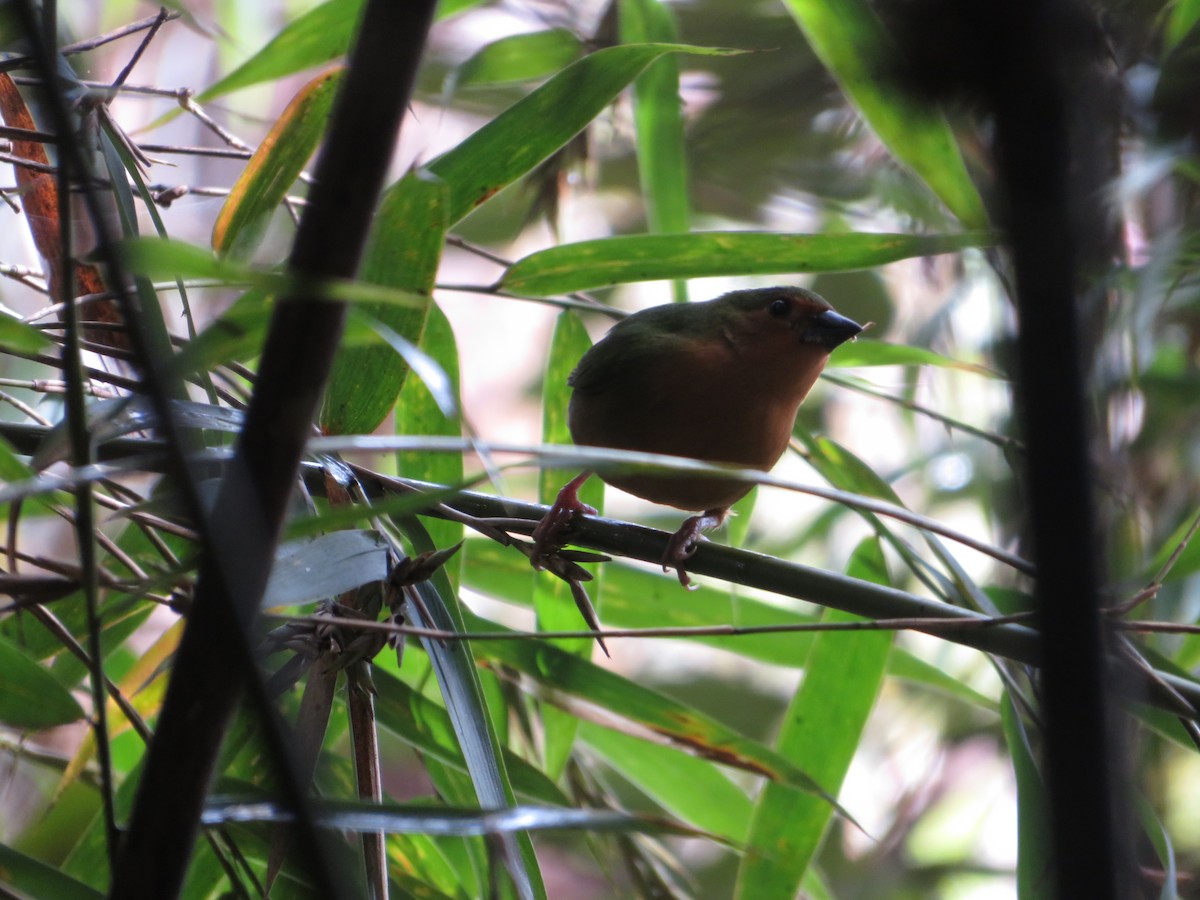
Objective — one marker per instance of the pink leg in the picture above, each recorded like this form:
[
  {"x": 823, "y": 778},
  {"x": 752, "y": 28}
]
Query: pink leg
[
  {"x": 683, "y": 542},
  {"x": 558, "y": 518}
]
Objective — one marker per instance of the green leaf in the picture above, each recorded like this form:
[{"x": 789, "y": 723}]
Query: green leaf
[
  {"x": 520, "y": 57},
  {"x": 1186, "y": 562},
  {"x": 1034, "y": 880},
  {"x": 877, "y": 353},
  {"x": 403, "y": 252},
  {"x": 274, "y": 168},
  {"x": 325, "y": 566},
  {"x": 426, "y": 727},
  {"x": 618, "y": 260},
  {"x": 563, "y": 677},
  {"x": 552, "y": 598},
  {"x": 32, "y": 698},
  {"x": 33, "y": 878},
  {"x": 658, "y": 123},
  {"x": 236, "y": 335},
  {"x": 157, "y": 258},
  {"x": 418, "y": 413},
  {"x": 693, "y": 789},
  {"x": 820, "y": 734},
  {"x": 1183, "y": 17},
  {"x": 850, "y": 41},
  {"x": 16, "y": 335},
  {"x": 534, "y": 127},
  {"x": 466, "y": 702},
  {"x": 636, "y": 598},
  {"x": 320, "y": 35}
]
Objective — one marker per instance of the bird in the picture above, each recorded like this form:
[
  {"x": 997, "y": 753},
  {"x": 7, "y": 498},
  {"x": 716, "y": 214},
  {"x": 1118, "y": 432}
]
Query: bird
[{"x": 719, "y": 381}]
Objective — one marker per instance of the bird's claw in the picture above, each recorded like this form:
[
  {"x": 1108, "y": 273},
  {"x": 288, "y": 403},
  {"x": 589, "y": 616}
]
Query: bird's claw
[
  {"x": 547, "y": 536},
  {"x": 683, "y": 543},
  {"x": 680, "y": 548}
]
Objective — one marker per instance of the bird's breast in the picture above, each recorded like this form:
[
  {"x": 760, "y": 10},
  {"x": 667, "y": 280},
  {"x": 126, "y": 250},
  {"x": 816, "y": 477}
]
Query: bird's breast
[{"x": 711, "y": 404}]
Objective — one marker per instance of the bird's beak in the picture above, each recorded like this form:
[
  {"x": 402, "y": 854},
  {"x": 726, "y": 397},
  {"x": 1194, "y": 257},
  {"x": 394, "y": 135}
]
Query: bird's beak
[{"x": 829, "y": 329}]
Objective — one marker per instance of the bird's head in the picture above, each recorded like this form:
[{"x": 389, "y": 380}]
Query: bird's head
[{"x": 764, "y": 319}]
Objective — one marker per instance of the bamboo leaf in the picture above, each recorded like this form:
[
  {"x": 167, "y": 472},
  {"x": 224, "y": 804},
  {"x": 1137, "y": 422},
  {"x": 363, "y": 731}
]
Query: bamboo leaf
[
  {"x": 658, "y": 123},
  {"x": 16, "y": 335},
  {"x": 562, "y": 675},
  {"x": 534, "y": 127},
  {"x": 32, "y": 698},
  {"x": 520, "y": 57},
  {"x": 417, "y": 412},
  {"x": 820, "y": 733},
  {"x": 877, "y": 353},
  {"x": 320, "y": 35},
  {"x": 650, "y": 257},
  {"x": 34, "y": 878},
  {"x": 158, "y": 258},
  {"x": 694, "y": 789},
  {"x": 850, "y": 41},
  {"x": 403, "y": 253},
  {"x": 465, "y": 701},
  {"x": 1033, "y": 838},
  {"x": 325, "y": 566},
  {"x": 552, "y": 597},
  {"x": 274, "y": 168}
]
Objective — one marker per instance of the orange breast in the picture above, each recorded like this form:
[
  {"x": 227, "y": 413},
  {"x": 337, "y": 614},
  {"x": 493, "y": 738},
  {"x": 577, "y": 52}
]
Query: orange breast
[{"x": 708, "y": 403}]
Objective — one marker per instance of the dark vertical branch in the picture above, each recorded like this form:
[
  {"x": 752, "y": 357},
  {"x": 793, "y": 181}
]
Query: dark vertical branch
[
  {"x": 1085, "y": 765},
  {"x": 1034, "y": 65},
  {"x": 214, "y": 660}
]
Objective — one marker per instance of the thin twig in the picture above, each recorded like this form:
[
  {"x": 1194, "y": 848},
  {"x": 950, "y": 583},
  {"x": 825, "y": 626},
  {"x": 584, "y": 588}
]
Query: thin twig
[
  {"x": 159, "y": 20},
  {"x": 929, "y": 626},
  {"x": 1000, "y": 440}
]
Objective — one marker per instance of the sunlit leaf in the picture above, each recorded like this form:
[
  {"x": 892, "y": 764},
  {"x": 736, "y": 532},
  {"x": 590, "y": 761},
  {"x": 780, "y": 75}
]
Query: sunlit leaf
[
  {"x": 553, "y": 600},
  {"x": 658, "y": 121},
  {"x": 650, "y": 257},
  {"x": 694, "y": 789},
  {"x": 170, "y": 259},
  {"x": 877, "y": 353},
  {"x": 820, "y": 732},
  {"x": 274, "y": 168},
  {"x": 561, "y": 675},
  {"x": 16, "y": 335},
  {"x": 519, "y": 57},
  {"x": 402, "y": 252},
  {"x": 417, "y": 412},
  {"x": 318, "y": 36},
  {"x": 533, "y": 128}
]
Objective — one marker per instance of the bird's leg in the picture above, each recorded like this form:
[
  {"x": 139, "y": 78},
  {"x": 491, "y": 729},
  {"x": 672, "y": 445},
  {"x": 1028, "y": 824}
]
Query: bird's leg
[
  {"x": 683, "y": 542},
  {"x": 566, "y": 506}
]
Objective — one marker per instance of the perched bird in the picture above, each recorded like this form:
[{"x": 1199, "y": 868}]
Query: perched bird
[{"x": 719, "y": 381}]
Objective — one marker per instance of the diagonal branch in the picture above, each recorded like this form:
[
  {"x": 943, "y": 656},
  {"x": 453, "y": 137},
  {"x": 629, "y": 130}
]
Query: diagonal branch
[{"x": 215, "y": 659}]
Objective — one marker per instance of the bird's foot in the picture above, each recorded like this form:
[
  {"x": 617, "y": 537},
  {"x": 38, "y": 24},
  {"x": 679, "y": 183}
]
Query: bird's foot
[
  {"x": 546, "y": 536},
  {"x": 683, "y": 543}
]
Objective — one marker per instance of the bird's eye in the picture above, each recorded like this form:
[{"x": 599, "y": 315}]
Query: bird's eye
[{"x": 779, "y": 308}]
